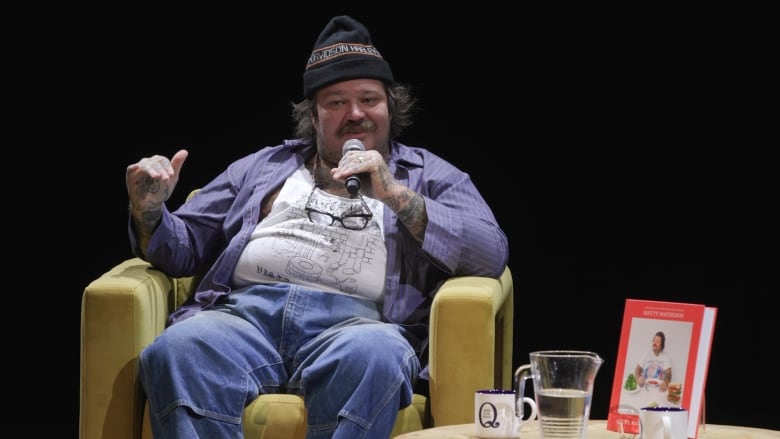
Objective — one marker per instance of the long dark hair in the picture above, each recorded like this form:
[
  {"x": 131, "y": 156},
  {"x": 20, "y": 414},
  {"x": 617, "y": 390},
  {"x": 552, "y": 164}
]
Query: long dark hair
[{"x": 400, "y": 102}]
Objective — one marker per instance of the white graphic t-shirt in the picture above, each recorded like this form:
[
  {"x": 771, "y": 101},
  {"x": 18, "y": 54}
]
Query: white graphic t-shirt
[
  {"x": 288, "y": 247},
  {"x": 655, "y": 365}
]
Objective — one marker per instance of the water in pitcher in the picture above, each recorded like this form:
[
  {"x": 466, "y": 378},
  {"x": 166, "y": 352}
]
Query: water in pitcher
[{"x": 563, "y": 413}]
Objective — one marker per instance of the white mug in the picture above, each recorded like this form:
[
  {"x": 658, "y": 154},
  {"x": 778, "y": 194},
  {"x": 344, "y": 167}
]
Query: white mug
[
  {"x": 498, "y": 413},
  {"x": 663, "y": 423}
]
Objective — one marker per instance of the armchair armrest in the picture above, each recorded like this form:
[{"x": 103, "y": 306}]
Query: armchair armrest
[
  {"x": 470, "y": 344},
  {"x": 122, "y": 311}
]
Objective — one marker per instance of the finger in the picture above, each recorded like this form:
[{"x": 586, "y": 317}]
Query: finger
[
  {"x": 355, "y": 164},
  {"x": 347, "y": 158},
  {"x": 158, "y": 167},
  {"x": 149, "y": 166}
]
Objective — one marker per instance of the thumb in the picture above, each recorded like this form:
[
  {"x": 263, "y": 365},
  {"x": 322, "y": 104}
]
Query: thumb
[{"x": 178, "y": 160}]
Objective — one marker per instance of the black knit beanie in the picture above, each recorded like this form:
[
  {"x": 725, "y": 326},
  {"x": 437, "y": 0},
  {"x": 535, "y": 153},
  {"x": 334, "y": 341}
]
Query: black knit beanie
[{"x": 343, "y": 51}]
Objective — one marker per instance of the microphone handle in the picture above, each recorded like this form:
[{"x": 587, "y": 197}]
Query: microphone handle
[{"x": 353, "y": 184}]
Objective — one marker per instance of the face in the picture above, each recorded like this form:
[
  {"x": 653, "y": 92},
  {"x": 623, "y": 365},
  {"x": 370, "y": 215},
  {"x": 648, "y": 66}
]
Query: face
[
  {"x": 353, "y": 109},
  {"x": 656, "y": 344}
]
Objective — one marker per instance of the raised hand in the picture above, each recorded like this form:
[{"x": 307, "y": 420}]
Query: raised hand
[{"x": 150, "y": 183}]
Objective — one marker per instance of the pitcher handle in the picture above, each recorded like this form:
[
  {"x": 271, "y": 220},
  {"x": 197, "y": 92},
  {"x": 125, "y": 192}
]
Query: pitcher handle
[{"x": 522, "y": 374}]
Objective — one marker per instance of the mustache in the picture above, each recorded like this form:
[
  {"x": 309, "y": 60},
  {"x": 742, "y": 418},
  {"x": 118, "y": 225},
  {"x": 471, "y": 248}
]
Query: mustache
[{"x": 354, "y": 127}]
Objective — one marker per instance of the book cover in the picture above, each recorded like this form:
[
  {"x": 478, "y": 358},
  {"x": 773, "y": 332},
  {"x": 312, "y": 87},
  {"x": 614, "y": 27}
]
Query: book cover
[{"x": 663, "y": 359}]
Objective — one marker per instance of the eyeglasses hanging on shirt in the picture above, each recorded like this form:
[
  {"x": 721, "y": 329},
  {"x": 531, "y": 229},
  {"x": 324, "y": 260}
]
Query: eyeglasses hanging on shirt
[{"x": 351, "y": 221}]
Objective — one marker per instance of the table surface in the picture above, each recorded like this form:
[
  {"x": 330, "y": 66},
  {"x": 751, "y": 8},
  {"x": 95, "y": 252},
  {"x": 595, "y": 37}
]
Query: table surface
[{"x": 597, "y": 429}]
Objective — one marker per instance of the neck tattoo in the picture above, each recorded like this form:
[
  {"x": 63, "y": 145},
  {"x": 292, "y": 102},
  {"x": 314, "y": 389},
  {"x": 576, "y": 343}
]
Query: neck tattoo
[{"x": 317, "y": 175}]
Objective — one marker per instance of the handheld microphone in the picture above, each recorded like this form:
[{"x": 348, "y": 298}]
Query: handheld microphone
[{"x": 353, "y": 182}]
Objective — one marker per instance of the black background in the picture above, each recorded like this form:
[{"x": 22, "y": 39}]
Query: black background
[{"x": 626, "y": 153}]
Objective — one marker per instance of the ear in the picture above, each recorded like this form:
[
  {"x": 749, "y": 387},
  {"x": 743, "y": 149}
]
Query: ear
[{"x": 313, "y": 116}]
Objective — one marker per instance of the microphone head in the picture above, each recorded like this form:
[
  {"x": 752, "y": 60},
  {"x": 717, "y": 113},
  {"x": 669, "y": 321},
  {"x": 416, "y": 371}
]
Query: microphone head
[{"x": 352, "y": 145}]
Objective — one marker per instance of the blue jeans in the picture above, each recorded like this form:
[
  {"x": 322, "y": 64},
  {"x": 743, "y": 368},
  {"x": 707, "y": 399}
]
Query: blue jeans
[{"x": 353, "y": 371}]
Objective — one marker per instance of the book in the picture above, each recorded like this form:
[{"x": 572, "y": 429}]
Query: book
[{"x": 684, "y": 332}]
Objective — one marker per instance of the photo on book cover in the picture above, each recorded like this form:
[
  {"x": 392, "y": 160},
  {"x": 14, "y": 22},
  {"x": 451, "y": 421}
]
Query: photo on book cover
[{"x": 656, "y": 363}]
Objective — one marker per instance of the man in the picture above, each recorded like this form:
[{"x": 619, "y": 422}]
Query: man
[
  {"x": 306, "y": 287},
  {"x": 655, "y": 367}
]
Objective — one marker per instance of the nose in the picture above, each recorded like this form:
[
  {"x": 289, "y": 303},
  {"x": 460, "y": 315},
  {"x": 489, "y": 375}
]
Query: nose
[{"x": 355, "y": 111}]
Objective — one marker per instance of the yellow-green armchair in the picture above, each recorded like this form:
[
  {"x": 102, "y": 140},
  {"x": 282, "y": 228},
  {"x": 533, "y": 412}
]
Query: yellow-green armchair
[{"x": 126, "y": 308}]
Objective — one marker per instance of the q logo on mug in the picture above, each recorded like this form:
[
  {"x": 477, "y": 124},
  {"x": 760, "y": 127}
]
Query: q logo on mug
[{"x": 488, "y": 415}]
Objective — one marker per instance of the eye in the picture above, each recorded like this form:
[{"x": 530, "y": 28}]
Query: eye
[{"x": 335, "y": 104}]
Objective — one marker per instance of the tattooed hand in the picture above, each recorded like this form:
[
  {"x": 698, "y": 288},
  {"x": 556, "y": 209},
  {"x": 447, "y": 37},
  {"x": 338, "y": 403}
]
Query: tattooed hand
[
  {"x": 150, "y": 182},
  {"x": 408, "y": 205}
]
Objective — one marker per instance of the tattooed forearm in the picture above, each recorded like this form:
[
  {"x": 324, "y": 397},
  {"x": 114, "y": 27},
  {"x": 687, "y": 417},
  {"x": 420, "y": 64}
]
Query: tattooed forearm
[
  {"x": 149, "y": 219},
  {"x": 408, "y": 205},
  {"x": 145, "y": 221},
  {"x": 413, "y": 214},
  {"x": 146, "y": 208}
]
